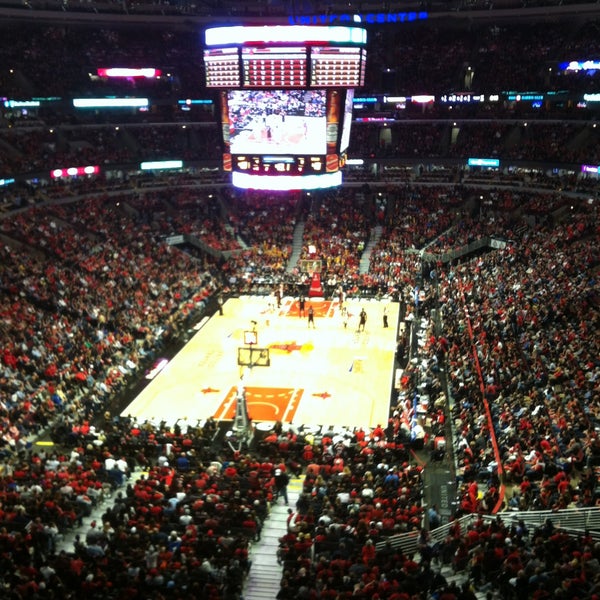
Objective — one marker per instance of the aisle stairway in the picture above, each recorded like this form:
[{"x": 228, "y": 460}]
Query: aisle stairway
[
  {"x": 296, "y": 247},
  {"x": 365, "y": 259},
  {"x": 264, "y": 578}
]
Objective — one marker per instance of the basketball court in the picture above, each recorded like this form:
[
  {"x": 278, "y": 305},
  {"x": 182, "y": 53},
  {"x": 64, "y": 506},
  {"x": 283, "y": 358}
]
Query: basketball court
[{"x": 330, "y": 375}]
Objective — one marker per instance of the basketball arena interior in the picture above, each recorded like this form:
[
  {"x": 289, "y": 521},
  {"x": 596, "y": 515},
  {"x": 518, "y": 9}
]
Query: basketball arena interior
[{"x": 299, "y": 300}]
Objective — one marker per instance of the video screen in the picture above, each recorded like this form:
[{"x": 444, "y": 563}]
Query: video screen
[
  {"x": 345, "y": 140},
  {"x": 277, "y": 121}
]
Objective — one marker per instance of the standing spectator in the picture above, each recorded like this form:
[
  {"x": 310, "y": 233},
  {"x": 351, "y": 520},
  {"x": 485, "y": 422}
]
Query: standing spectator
[
  {"x": 281, "y": 482},
  {"x": 435, "y": 520},
  {"x": 291, "y": 524}
]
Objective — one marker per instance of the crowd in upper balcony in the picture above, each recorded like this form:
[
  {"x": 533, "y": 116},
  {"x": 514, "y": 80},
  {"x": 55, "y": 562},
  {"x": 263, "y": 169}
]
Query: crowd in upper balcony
[
  {"x": 430, "y": 59},
  {"x": 41, "y": 150},
  {"x": 421, "y": 59}
]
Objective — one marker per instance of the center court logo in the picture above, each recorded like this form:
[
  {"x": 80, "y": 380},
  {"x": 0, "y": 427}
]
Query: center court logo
[{"x": 289, "y": 347}]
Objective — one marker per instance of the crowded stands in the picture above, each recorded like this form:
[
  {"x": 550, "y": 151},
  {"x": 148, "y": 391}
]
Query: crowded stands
[{"x": 497, "y": 279}]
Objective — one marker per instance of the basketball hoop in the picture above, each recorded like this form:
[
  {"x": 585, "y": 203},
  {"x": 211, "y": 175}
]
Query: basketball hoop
[
  {"x": 311, "y": 266},
  {"x": 250, "y": 338}
]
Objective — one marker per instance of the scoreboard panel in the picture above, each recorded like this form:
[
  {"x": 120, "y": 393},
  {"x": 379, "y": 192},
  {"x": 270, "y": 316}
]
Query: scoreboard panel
[
  {"x": 285, "y": 57},
  {"x": 271, "y": 67},
  {"x": 285, "y": 67},
  {"x": 222, "y": 68},
  {"x": 337, "y": 66},
  {"x": 279, "y": 165}
]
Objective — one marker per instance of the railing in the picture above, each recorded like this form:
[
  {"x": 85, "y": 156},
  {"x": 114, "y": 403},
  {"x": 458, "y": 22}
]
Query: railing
[
  {"x": 451, "y": 255},
  {"x": 572, "y": 521}
]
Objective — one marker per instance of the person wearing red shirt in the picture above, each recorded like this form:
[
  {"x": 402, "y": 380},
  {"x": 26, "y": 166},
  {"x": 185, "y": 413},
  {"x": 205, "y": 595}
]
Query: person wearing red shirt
[{"x": 368, "y": 552}]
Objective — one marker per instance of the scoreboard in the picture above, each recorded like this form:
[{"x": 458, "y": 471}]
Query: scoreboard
[
  {"x": 285, "y": 67},
  {"x": 337, "y": 66},
  {"x": 285, "y": 97},
  {"x": 222, "y": 67},
  {"x": 274, "y": 67},
  {"x": 300, "y": 56}
]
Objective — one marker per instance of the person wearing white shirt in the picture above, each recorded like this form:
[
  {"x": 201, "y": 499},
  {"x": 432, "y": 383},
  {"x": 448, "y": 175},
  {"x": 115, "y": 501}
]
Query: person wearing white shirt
[{"x": 122, "y": 465}]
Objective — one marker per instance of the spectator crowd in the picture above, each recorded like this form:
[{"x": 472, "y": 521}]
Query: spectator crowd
[
  {"x": 515, "y": 331},
  {"x": 498, "y": 281}
]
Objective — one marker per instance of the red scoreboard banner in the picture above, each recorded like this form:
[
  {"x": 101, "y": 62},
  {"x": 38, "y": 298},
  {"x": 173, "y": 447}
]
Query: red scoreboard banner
[{"x": 274, "y": 67}]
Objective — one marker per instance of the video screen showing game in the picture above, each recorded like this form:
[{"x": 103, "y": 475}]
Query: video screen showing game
[{"x": 277, "y": 122}]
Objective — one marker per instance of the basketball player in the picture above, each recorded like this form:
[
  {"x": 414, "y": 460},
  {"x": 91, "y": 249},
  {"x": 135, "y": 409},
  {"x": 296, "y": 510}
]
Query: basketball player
[{"x": 311, "y": 317}]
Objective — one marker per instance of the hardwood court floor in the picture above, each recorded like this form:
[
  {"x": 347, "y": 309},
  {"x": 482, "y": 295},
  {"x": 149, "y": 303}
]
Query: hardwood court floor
[{"x": 329, "y": 375}]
